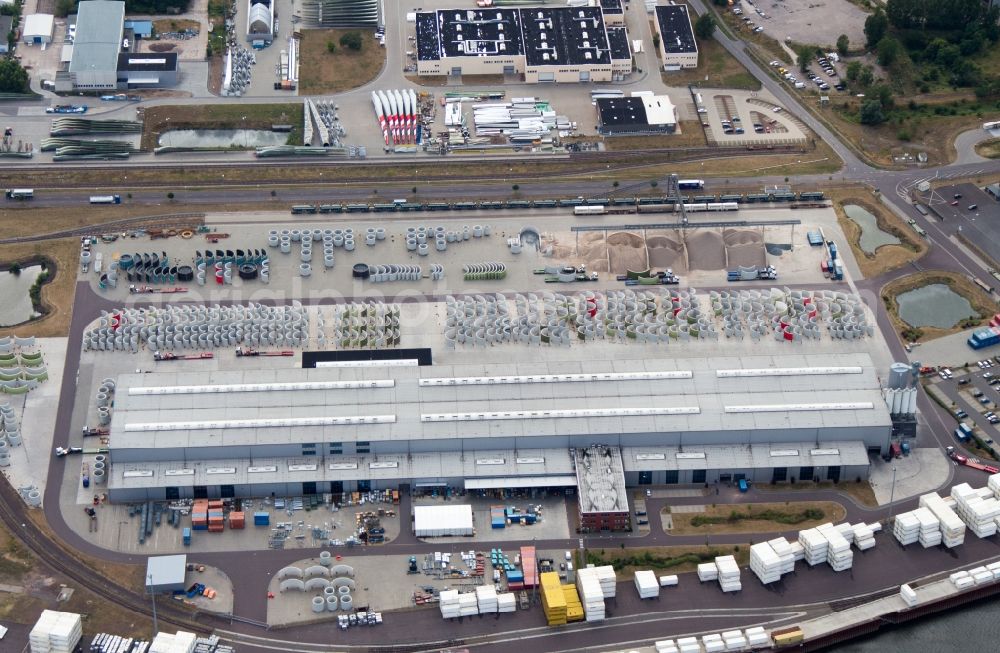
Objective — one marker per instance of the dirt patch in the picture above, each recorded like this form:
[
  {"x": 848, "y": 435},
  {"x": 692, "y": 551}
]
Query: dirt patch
[
  {"x": 57, "y": 293},
  {"x": 989, "y": 149},
  {"x": 162, "y": 47},
  {"x": 665, "y": 559},
  {"x": 982, "y": 303},
  {"x": 689, "y": 134},
  {"x": 160, "y": 119},
  {"x": 773, "y": 517},
  {"x": 886, "y": 257},
  {"x": 323, "y": 72},
  {"x": 164, "y": 25}
]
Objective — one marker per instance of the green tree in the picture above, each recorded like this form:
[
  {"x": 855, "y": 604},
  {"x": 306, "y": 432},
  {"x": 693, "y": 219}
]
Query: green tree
[
  {"x": 170, "y": 195},
  {"x": 888, "y": 50},
  {"x": 871, "y": 113},
  {"x": 351, "y": 41},
  {"x": 15, "y": 269},
  {"x": 656, "y": 41},
  {"x": 704, "y": 27},
  {"x": 866, "y": 76},
  {"x": 853, "y": 71},
  {"x": 720, "y": 3},
  {"x": 331, "y": 47},
  {"x": 843, "y": 44},
  {"x": 13, "y": 77},
  {"x": 805, "y": 53},
  {"x": 876, "y": 26}
]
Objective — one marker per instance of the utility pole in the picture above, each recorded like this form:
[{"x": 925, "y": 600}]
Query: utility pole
[{"x": 152, "y": 597}]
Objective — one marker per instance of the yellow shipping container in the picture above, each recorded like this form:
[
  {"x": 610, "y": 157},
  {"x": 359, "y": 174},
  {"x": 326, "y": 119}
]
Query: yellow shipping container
[
  {"x": 553, "y": 599},
  {"x": 787, "y": 636}
]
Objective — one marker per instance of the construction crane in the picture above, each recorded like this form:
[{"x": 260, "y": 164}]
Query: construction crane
[
  {"x": 168, "y": 356},
  {"x": 250, "y": 351}
]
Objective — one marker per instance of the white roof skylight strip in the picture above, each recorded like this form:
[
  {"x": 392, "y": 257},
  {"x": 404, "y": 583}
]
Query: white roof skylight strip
[
  {"x": 557, "y": 414},
  {"x": 261, "y": 387},
  {"x": 787, "y": 371},
  {"x": 139, "y": 427},
  {"x": 556, "y": 378},
  {"x": 799, "y": 408}
]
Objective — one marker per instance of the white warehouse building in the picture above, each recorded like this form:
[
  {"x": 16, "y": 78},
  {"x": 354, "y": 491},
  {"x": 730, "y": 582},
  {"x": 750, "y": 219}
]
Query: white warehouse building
[{"x": 495, "y": 424}]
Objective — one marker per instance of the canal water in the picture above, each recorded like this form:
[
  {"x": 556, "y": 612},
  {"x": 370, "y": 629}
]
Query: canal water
[
  {"x": 934, "y": 305},
  {"x": 14, "y": 297},
  {"x": 222, "y": 138},
  {"x": 968, "y": 629},
  {"x": 871, "y": 236}
]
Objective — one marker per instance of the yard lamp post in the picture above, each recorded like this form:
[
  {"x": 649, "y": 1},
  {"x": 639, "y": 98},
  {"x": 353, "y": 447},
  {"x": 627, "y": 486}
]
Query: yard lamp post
[
  {"x": 152, "y": 597},
  {"x": 892, "y": 492}
]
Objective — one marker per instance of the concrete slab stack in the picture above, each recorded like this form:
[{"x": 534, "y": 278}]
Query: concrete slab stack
[
  {"x": 906, "y": 528},
  {"x": 864, "y": 537},
  {"x": 951, "y": 526},
  {"x": 647, "y": 585},
  {"x": 735, "y": 640},
  {"x": 448, "y": 602},
  {"x": 838, "y": 550},
  {"x": 666, "y": 646},
  {"x": 713, "y": 643},
  {"x": 486, "y": 599},
  {"x": 978, "y": 513},
  {"x": 765, "y": 563},
  {"x": 729, "y": 574},
  {"x": 757, "y": 637},
  {"x": 783, "y": 549},
  {"x": 930, "y": 528},
  {"x": 814, "y": 546},
  {"x": 506, "y": 602},
  {"x": 708, "y": 571},
  {"x": 591, "y": 591},
  {"x": 56, "y": 632},
  {"x": 908, "y": 595}
]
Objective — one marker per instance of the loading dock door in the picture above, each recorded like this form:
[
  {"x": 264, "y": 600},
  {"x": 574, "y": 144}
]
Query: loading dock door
[
  {"x": 584, "y": 75},
  {"x": 509, "y": 70},
  {"x": 645, "y": 478},
  {"x": 546, "y": 77},
  {"x": 833, "y": 474},
  {"x": 172, "y": 494},
  {"x": 780, "y": 474},
  {"x": 457, "y": 71},
  {"x": 309, "y": 487},
  {"x": 200, "y": 491}
]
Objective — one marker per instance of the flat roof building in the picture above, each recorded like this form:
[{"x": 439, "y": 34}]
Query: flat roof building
[
  {"x": 147, "y": 69},
  {"x": 545, "y": 44},
  {"x": 678, "y": 47},
  {"x": 639, "y": 114},
  {"x": 38, "y": 29},
  {"x": 603, "y": 499},
  {"x": 166, "y": 573}
]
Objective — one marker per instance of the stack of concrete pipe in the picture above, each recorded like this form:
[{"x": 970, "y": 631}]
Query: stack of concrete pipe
[
  {"x": 441, "y": 237},
  {"x": 105, "y": 401},
  {"x": 790, "y": 315},
  {"x": 200, "y": 327},
  {"x": 392, "y": 272},
  {"x": 367, "y": 325}
]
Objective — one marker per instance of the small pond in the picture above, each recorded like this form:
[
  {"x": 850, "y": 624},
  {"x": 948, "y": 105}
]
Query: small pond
[
  {"x": 871, "y": 236},
  {"x": 935, "y": 305},
  {"x": 222, "y": 138},
  {"x": 14, "y": 297}
]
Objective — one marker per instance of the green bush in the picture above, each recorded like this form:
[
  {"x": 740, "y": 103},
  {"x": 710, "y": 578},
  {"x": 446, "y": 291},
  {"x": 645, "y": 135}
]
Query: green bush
[{"x": 778, "y": 516}]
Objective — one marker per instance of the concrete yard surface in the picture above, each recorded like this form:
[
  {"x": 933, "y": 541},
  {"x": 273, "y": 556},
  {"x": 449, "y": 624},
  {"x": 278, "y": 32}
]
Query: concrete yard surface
[
  {"x": 553, "y": 525},
  {"x": 923, "y": 471}
]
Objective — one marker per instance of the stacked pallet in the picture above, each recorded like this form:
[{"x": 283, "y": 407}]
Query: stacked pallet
[
  {"x": 814, "y": 546},
  {"x": 729, "y": 574},
  {"x": 467, "y": 605},
  {"x": 765, "y": 563},
  {"x": 906, "y": 528},
  {"x": 56, "y": 632},
  {"x": 783, "y": 549},
  {"x": 757, "y": 637},
  {"x": 993, "y": 483},
  {"x": 199, "y": 515},
  {"x": 506, "y": 602},
  {"x": 448, "y": 602},
  {"x": 237, "y": 520},
  {"x": 669, "y": 581},
  {"x": 713, "y": 643},
  {"x": 688, "y": 645},
  {"x": 574, "y": 608},
  {"x": 708, "y": 571},
  {"x": 951, "y": 525},
  {"x": 486, "y": 599},
  {"x": 930, "y": 528},
  {"x": 647, "y": 585},
  {"x": 735, "y": 640},
  {"x": 962, "y": 580},
  {"x": 606, "y": 577},
  {"x": 838, "y": 549},
  {"x": 979, "y": 514},
  {"x": 553, "y": 599},
  {"x": 864, "y": 536},
  {"x": 798, "y": 551},
  {"x": 179, "y": 642},
  {"x": 592, "y": 593},
  {"x": 908, "y": 595}
]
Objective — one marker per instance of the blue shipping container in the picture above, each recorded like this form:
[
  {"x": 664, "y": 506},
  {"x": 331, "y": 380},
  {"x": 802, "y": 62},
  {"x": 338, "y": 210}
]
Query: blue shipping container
[
  {"x": 187, "y": 536},
  {"x": 261, "y": 519}
]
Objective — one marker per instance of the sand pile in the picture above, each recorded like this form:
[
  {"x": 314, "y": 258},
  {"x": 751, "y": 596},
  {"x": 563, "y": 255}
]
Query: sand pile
[
  {"x": 593, "y": 251},
  {"x": 626, "y": 251},
  {"x": 706, "y": 251},
  {"x": 744, "y": 247},
  {"x": 666, "y": 252}
]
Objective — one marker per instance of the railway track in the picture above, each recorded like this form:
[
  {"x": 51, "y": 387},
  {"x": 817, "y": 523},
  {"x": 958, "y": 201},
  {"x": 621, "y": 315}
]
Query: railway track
[
  {"x": 14, "y": 515},
  {"x": 172, "y": 220}
]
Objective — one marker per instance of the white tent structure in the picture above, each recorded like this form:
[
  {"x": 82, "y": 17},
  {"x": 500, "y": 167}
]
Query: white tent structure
[{"x": 442, "y": 521}]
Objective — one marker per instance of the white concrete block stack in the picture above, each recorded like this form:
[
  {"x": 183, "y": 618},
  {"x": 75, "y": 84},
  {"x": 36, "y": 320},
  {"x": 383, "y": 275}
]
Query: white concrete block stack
[
  {"x": 798, "y": 551},
  {"x": 688, "y": 645},
  {"x": 846, "y": 532},
  {"x": 735, "y": 640},
  {"x": 467, "y": 605},
  {"x": 814, "y": 545},
  {"x": 906, "y": 528},
  {"x": 908, "y": 595},
  {"x": 864, "y": 537},
  {"x": 783, "y": 550},
  {"x": 962, "y": 580},
  {"x": 713, "y": 643},
  {"x": 179, "y": 642},
  {"x": 930, "y": 528},
  {"x": 669, "y": 581},
  {"x": 56, "y": 632},
  {"x": 757, "y": 637},
  {"x": 647, "y": 585},
  {"x": 606, "y": 577},
  {"x": 994, "y": 568},
  {"x": 993, "y": 483},
  {"x": 666, "y": 646},
  {"x": 765, "y": 563},
  {"x": 506, "y": 602},
  {"x": 708, "y": 571},
  {"x": 588, "y": 586},
  {"x": 979, "y": 514},
  {"x": 951, "y": 525},
  {"x": 729, "y": 574},
  {"x": 838, "y": 551},
  {"x": 448, "y": 602},
  {"x": 981, "y": 575},
  {"x": 486, "y": 599}
]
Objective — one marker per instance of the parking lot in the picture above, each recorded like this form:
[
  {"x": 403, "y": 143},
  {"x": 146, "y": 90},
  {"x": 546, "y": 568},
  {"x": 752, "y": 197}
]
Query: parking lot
[
  {"x": 969, "y": 210},
  {"x": 976, "y": 397},
  {"x": 741, "y": 118},
  {"x": 813, "y": 22}
]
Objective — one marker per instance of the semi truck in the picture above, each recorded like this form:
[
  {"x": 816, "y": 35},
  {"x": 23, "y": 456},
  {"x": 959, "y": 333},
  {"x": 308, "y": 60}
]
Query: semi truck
[
  {"x": 19, "y": 193},
  {"x": 105, "y": 199},
  {"x": 752, "y": 273},
  {"x": 967, "y": 462}
]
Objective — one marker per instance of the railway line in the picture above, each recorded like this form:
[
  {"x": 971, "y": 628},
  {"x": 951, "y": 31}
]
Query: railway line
[{"x": 170, "y": 220}]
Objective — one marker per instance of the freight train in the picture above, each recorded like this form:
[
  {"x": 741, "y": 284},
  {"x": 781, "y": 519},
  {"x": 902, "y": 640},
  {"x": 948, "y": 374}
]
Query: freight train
[{"x": 610, "y": 205}]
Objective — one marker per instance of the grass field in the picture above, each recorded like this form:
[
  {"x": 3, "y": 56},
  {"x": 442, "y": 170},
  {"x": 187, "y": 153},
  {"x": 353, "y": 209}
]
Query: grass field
[
  {"x": 57, "y": 295},
  {"x": 690, "y": 135},
  {"x": 982, "y": 303},
  {"x": 160, "y": 119},
  {"x": 887, "y": 257},
  {"x": 990, "y": 149},
  {"x": 775, "y": 517},
  {"x": 859, "y": 491},
  {"x": 720, "y": 68},
  {"x": 665, "y": 559},
  {"x": 174, "y": 25},
  {"x": 321, "y": 72}
]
